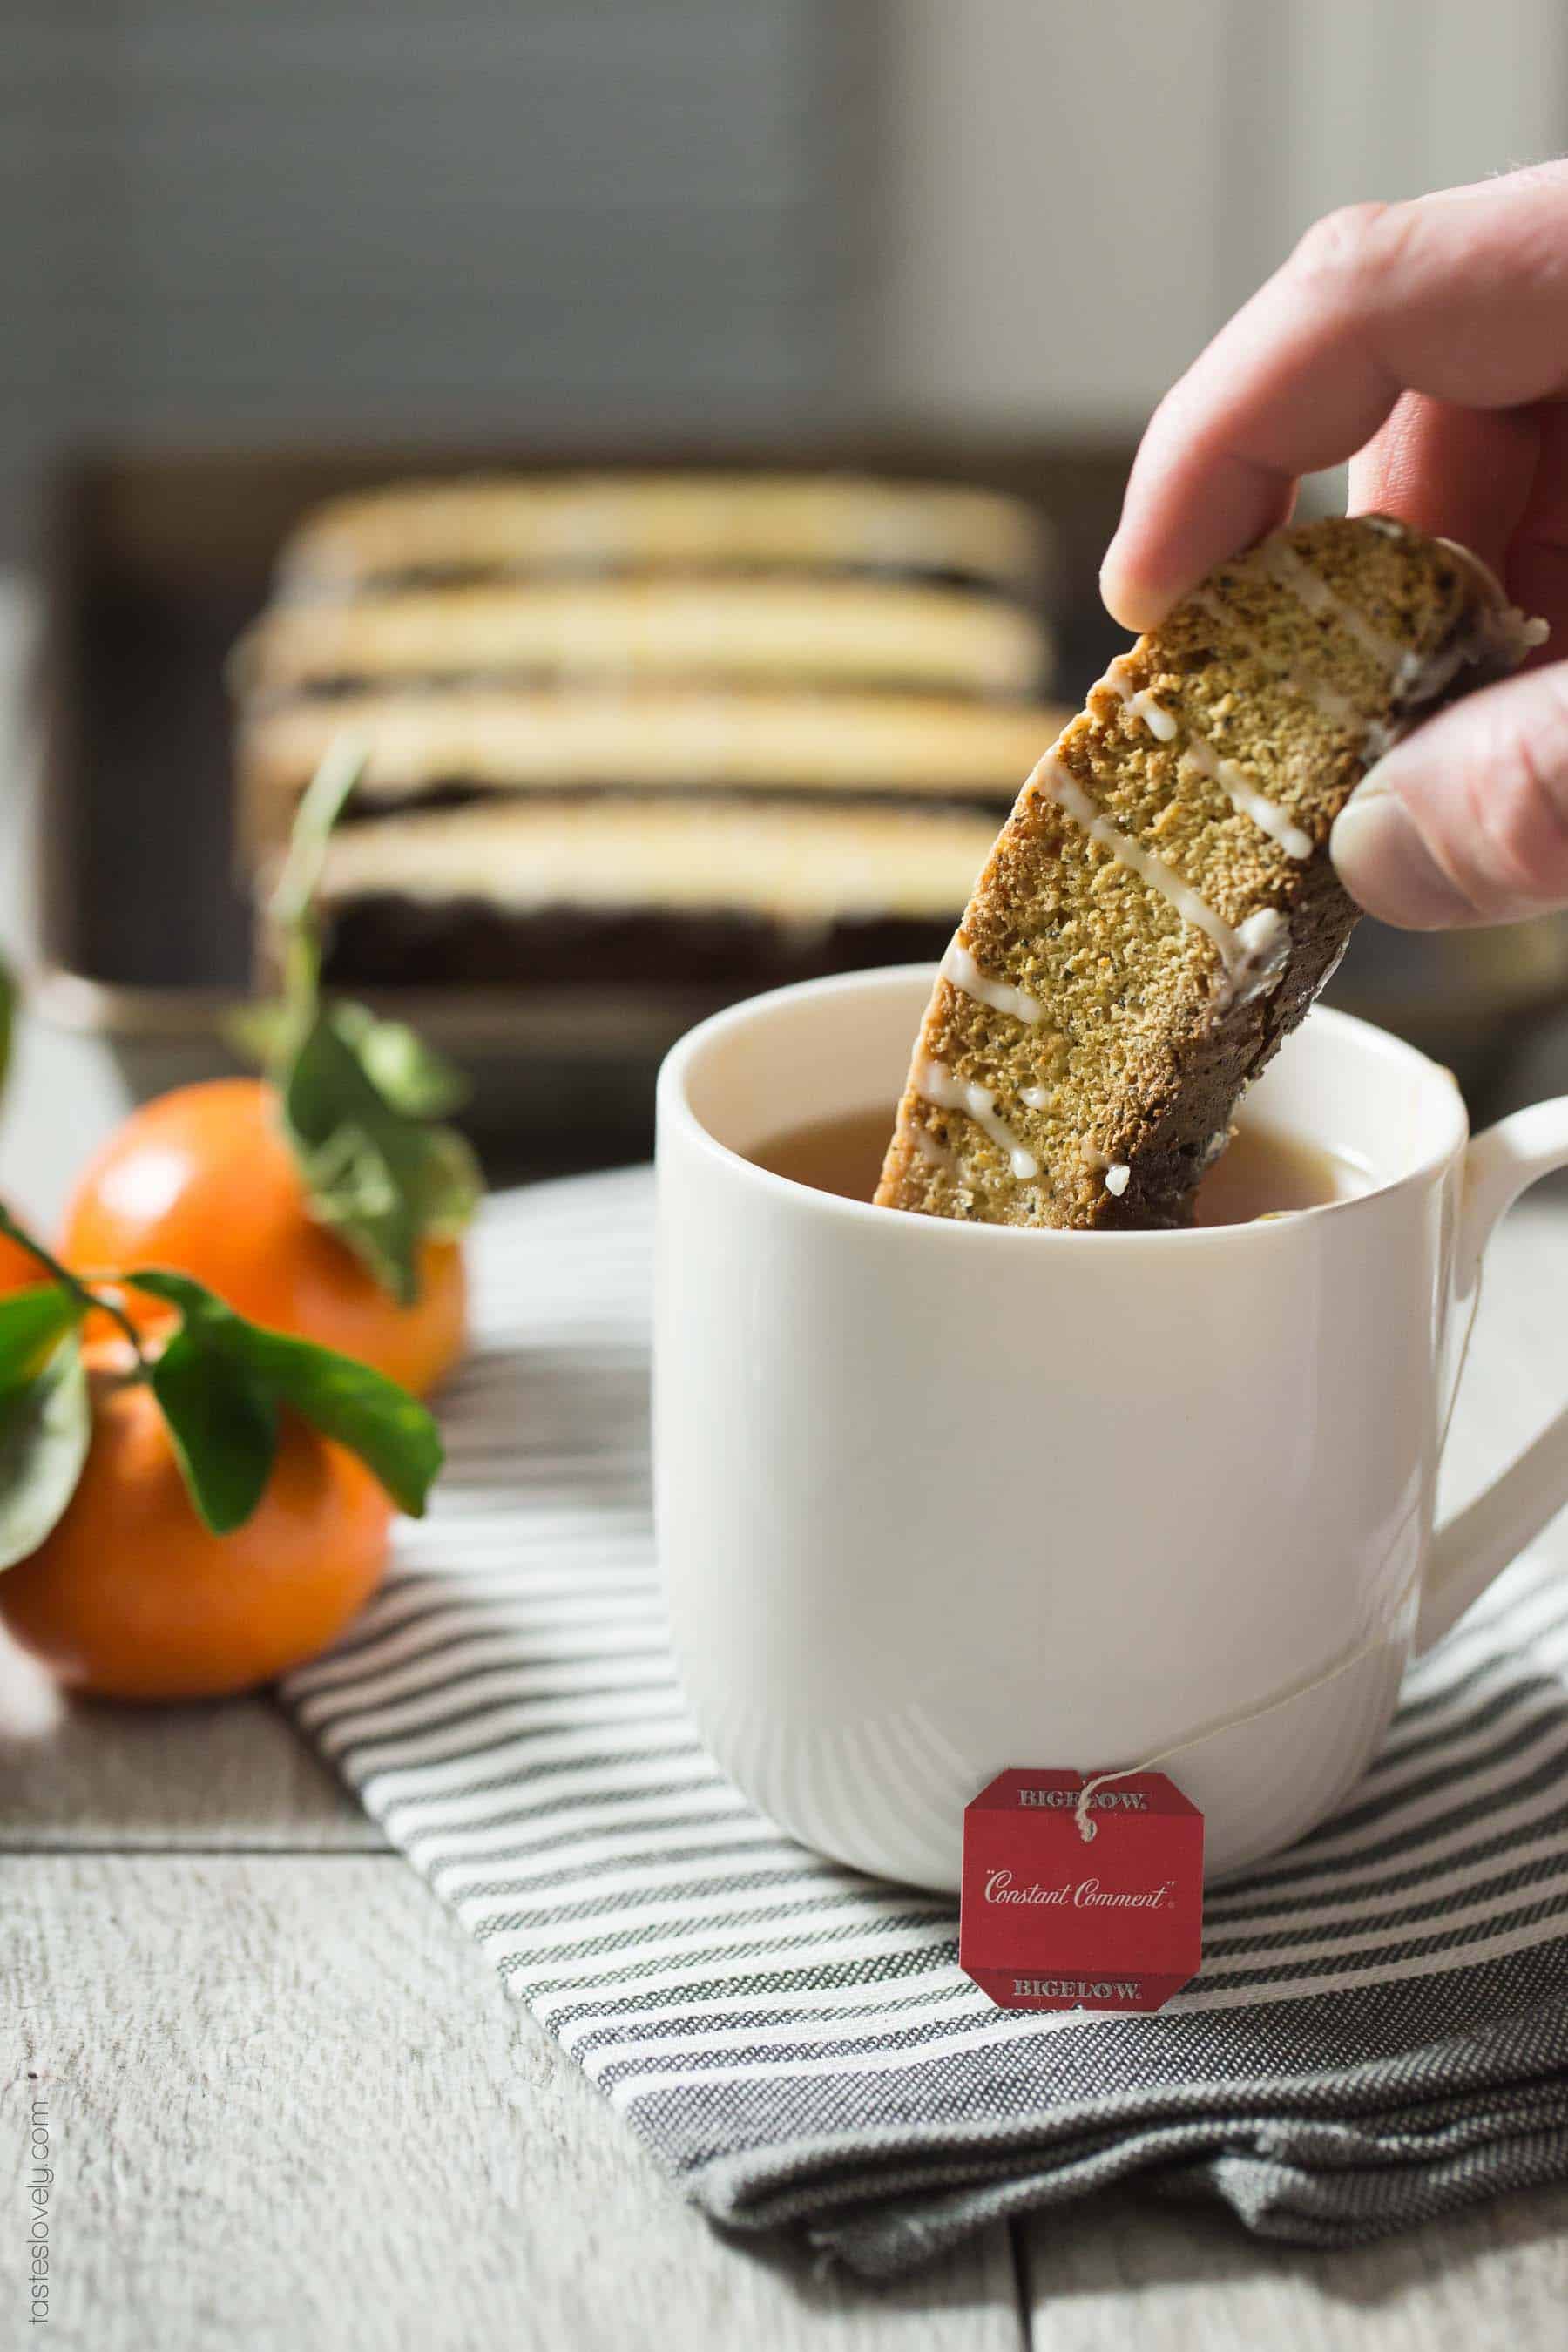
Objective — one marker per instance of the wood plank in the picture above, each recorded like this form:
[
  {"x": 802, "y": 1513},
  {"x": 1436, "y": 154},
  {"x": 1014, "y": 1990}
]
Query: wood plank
[
  {"x": 291, "y": 2103},
  {"x": 235, "y": 1775},
  {"x": 1127, "y": 2270}
]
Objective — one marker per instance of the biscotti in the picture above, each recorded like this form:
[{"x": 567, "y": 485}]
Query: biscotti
[
  {"x": 831, "y": 633},
  {"x": 1160, "y": 909},
  {"x": 742, "y": 893},
  {"x": 424, "y": 749},
  {"x": 639, "y": 729},
  {"x": 488, "y": 527}
]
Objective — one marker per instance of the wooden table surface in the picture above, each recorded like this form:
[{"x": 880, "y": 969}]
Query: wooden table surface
[{"x": 289, "y": 2103}]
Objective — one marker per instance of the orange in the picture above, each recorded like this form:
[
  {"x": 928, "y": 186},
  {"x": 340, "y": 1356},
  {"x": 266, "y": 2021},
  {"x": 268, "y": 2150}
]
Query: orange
[
  {"x": 19, "y": 1269},
  {"x": 130, "y": 1597},
  {"x": 203, "y": 1180}
]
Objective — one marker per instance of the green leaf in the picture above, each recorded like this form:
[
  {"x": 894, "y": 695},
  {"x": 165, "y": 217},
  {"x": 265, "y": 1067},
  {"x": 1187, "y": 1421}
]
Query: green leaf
[
  {"x": 32, "y": 1325},
  {"x": 361, "y": 1096},
  {"x": 46, "y": 1424},
  {"x": 224, "y": 1423},
  {"x": 405, "y": 1071},
  {"x": 379, "y": 1177},
  {"x": 360, "y": 1159},
  {"x": 392, "y": 1434}
]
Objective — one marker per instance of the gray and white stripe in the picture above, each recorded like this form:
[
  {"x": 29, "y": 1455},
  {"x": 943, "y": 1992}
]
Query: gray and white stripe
[{"x": 1380, "y": 2030}]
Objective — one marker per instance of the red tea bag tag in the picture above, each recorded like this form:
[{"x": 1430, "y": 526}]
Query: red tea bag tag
[{"x": 1052, "y": 1919}]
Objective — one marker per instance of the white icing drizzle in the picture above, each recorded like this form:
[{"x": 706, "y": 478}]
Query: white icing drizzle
[
  {"x": 936, "y": 1082},
  {"x": 1264, "y": 939},
  {"x": 1253, "y": 953},
  {"x": 1117, "y": 1177},
  {"x": 958, "y": 968},
  {"x": 1325, "y": 699},
  {"x": 1265, "y": 814},
  {"x": 1142, "y": 705},
  {"x": 1308, "y": 589}
]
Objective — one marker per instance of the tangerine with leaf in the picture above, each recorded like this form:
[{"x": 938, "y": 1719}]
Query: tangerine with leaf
[
  {"x": 205, "y": 1180},
  {"x": 325, "y": 1200},
  {"x": 189, "y": 1515}
]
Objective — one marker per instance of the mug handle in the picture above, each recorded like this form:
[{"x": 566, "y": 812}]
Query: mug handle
[{"x": 1480, "y": 1540}]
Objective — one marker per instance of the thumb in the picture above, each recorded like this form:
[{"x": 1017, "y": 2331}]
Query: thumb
[{"x": 1466, "y": 821}]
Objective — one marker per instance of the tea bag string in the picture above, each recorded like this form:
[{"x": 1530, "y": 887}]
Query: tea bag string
[{"x": 1313, "y": 1680}]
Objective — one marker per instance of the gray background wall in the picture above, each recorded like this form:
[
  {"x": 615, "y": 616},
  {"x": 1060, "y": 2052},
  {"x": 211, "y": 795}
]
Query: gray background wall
[
  {"x": 1082, "y": 190},
  {"x": 262, "y": 219},
  {"x": 254, "y": 220}
]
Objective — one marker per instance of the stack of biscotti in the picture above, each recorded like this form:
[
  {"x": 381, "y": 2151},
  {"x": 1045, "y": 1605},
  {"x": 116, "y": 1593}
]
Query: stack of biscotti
[
  {"x": 1160, "y": 909},
  {"x": 716, "y": 729}
]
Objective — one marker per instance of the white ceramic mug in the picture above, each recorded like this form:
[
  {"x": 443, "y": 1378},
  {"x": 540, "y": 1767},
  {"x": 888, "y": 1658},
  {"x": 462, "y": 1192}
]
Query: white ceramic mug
[{"x": 934, "y": 1499}]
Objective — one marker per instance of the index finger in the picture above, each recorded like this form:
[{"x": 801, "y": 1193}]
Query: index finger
[{"x": 1463, "y": 296}]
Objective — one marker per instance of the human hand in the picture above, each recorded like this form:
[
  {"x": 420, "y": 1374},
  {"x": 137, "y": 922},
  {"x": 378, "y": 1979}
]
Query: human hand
[{"x": 1428, "y": 343}]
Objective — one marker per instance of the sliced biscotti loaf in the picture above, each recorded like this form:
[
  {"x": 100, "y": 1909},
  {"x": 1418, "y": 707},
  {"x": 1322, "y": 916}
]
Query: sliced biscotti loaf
[
  {"x": 1160, "y": 909},
  {"x": 828, "y": 633},
  {"x": 501, "y": 526},
  {"x": 431, "y": 747},
  {"x": 609, "y": 890}
]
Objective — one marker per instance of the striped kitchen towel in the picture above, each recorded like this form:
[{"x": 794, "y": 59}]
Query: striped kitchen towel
[{"x": 1380, "y": 2030}]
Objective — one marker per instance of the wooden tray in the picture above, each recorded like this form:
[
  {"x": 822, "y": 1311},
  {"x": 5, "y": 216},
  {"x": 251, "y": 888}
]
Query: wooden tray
[{"x": 155, "y": 563}]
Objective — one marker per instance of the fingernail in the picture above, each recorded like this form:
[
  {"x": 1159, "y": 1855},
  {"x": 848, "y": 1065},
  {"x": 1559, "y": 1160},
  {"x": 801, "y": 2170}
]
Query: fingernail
[{"x": 1383, "y": 862}]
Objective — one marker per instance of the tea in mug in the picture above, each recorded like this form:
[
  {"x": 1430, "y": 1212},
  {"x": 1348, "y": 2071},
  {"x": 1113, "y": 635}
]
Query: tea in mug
[{"x": 1263, "y": 1172}]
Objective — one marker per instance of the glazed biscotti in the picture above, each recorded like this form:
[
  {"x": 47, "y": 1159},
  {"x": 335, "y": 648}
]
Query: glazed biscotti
[
  {"x": 608, "y": 634},
  {"x": 428, "y": 749},
  {"x": 741, "y": 892},
  {"x": 499, "y": 526},
  {"x": 709, "y": 731},
  {"x": 1160, "y": 909}
]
